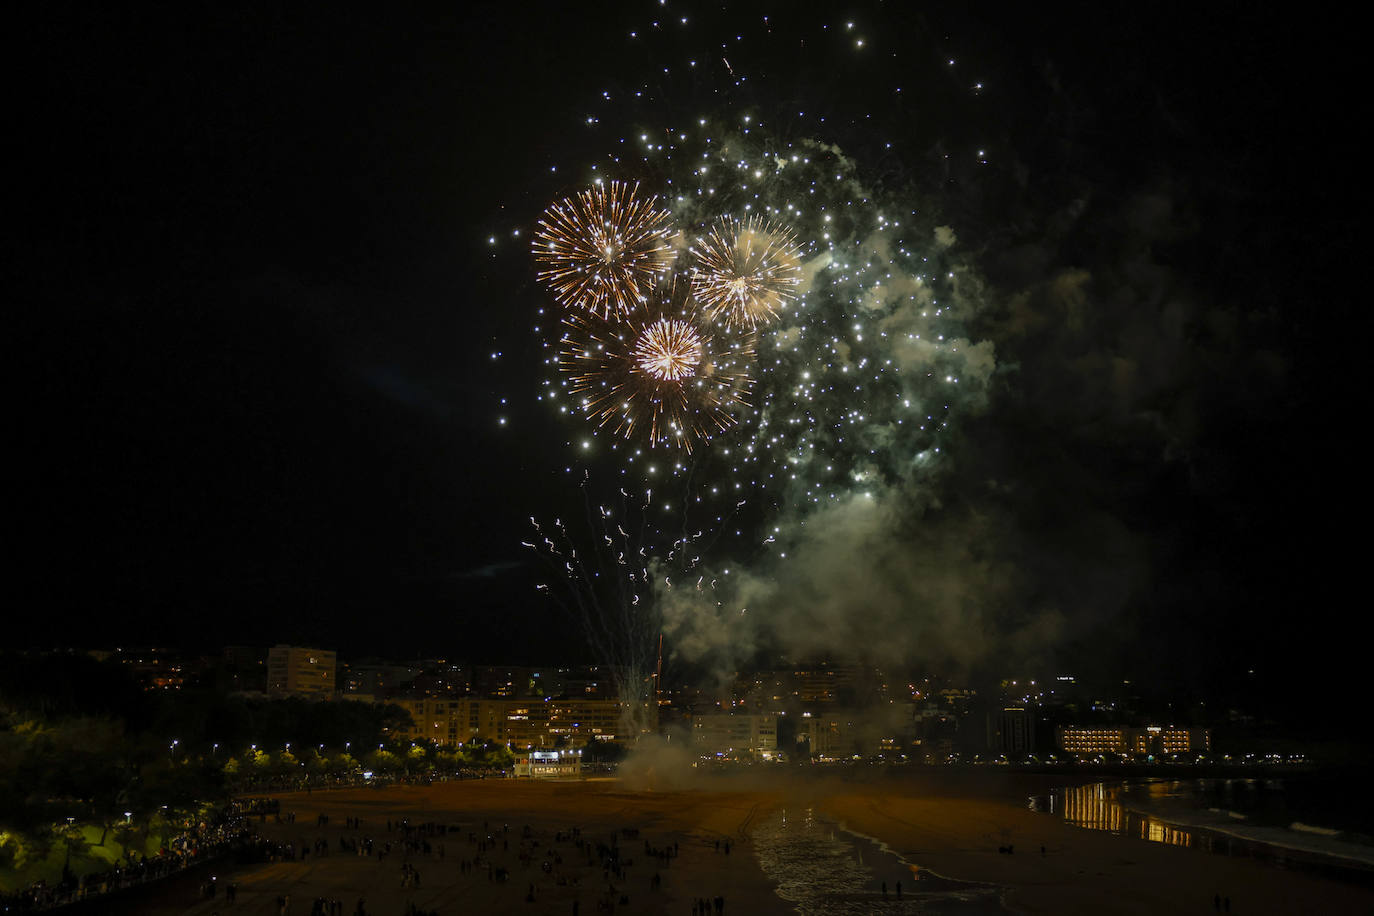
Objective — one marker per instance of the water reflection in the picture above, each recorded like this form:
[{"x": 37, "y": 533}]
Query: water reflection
[{"x": 1099, "y": 807}]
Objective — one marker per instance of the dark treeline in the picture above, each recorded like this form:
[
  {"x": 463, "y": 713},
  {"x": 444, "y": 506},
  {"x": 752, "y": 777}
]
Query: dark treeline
[
  {"x": 82, "y": 744},
  {"x": 52, "y": 688}
]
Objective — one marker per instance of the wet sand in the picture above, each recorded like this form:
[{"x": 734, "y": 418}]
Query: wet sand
[{"x": 949, "y": 824}]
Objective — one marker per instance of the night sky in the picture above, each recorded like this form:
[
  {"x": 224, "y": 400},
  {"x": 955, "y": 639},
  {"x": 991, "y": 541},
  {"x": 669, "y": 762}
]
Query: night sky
[{"x": 266, "y": 342}]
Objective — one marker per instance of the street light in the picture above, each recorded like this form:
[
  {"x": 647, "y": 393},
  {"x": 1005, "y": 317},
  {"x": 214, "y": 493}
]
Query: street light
[{"x": 66, "y": 866}]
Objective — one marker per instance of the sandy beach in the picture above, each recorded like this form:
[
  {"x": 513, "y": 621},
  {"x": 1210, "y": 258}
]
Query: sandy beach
[
  {"x": 944, "y": 824},
  {"x": 492, "y": 822}
]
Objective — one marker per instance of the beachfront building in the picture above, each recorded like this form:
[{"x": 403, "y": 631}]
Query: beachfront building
[
  {"x": 560, "y": 764},
  {"x": 1121, "y": 740},
  {"x": 293, "y": 671},
  {"x": 451, "y": 722},
  {"x": 581, "y": 720},
  {"x": 524, "y": 723},
  {"x": 1168, "y": 739},
  {"x": 1087, "y": 740},
  {"x": 736, "y": 736}
]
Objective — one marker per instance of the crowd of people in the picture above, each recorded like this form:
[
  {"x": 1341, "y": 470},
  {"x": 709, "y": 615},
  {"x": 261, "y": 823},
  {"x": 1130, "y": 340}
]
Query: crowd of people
[
  {"x": 231, "y": 832},
  {"x": 601, "y": 871}
]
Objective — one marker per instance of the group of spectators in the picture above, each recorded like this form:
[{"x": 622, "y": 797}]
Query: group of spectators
[{"x": 227, "y": 831}]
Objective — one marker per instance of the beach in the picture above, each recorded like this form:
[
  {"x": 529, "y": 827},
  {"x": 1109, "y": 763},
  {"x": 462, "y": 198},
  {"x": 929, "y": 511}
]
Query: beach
[
  {"x": 492, "y": 822},
  {"x": 678, "y": 842}
]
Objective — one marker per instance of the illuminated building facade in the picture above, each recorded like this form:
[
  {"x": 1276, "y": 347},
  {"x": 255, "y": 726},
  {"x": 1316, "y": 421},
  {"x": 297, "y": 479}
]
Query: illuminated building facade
[
  {"x": 583, "y": 720},
  {"x": 1157, "y": 740},
  {"x": 565, "y": 763},
  {"x": 457, "y": 721},
  {"x": 293, "y": 671},
  {"x": 521, "y": 723},
  {"x": 1091, "y": 739},
  {"x": 1167, "y": 739},
  {"x": 735, "y": 735}
]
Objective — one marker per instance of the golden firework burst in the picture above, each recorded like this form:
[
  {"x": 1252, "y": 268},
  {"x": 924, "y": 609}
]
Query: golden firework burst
[
  {"x": 662, "y": 372},
  {"x": 603, "y": 249},
  {"x": 746, "y": 271}
]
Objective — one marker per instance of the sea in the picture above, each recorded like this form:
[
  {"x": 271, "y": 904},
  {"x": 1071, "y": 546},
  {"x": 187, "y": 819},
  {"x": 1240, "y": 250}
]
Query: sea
[
  {"x": 1311, "y": 822},
  {"x": 822, "y": 869}
]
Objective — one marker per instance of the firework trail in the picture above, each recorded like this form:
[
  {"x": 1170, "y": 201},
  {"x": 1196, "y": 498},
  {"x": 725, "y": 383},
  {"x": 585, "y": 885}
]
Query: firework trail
[{"x": 608, "y": 570}]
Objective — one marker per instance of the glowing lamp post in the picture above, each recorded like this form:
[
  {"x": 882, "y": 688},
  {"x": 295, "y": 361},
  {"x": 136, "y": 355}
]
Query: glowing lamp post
[{"x": 66, "y": 865}]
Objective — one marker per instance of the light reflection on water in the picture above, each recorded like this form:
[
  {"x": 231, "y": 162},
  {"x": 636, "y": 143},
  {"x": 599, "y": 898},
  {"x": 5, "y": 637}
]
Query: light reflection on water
[
  {"x": 824, "y": 870},
  {"x": 1138, "y": 809},
  {"x": 1099, "y": 807}
]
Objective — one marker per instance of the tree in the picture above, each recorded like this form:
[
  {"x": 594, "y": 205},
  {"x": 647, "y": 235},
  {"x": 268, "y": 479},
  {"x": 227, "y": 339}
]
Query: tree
[{"x": 479, "y": 752}]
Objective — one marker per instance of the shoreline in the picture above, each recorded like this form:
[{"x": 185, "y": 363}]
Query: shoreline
[
  {"x": 1061, "y": 868},
  {"x": 1328, "y": 847},
  {"x": 1282, "y": 847}
]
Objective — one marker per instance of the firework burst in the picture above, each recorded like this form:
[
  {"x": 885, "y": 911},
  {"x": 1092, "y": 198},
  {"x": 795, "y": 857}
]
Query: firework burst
[
  {"x": 668, "y": 350},
  {"x": 662, "y": 371},
  {"x": 603, "y": 249},
  {"x": 746, "y": 271}
]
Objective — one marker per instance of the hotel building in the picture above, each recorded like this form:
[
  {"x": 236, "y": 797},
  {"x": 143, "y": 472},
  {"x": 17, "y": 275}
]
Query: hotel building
[{"x": 1088, "y": 740}]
